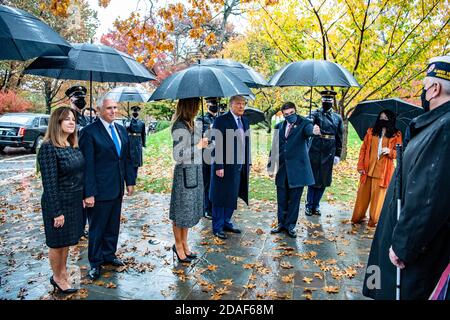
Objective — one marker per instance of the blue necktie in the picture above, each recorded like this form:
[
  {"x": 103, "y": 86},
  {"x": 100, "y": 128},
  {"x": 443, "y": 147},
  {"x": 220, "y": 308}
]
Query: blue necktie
[{"x": 115, "y": 139}]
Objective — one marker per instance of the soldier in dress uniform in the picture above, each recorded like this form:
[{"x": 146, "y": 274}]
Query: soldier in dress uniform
[
  {"x": 136, "y": 133},
  {"x": 207, "y": 122},
  {"x": 325, "y": 150},
  {"x": 77, "y": 95}
]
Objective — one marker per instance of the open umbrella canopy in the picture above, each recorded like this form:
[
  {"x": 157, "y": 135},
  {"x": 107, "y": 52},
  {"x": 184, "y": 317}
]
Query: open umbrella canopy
[
  {"x": 313, "y": 73},
  {"x": 200, "y": 81},
  {"x": 24, "y": 36},
  {"x": 128, "y": 94},
  {"x": 96, "y": 62},
  {"x": 365, "y": 114},
  {"x": 253, "y": 115},
  {"x": 247, "y": 74}
]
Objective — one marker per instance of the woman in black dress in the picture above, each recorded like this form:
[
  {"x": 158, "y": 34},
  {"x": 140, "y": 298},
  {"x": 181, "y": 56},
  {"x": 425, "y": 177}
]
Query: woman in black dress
[{"x": 61, "y": 164}]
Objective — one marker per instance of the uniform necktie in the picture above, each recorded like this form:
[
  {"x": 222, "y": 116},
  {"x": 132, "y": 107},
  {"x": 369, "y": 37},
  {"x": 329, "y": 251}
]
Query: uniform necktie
[{"x": 115, "y": 139}]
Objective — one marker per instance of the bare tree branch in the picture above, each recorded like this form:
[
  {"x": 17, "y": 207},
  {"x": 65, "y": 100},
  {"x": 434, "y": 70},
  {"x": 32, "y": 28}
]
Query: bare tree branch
[{"x": 361, "y": 38}]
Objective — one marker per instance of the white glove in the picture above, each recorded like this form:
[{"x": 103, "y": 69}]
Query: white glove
[{"x": 336, "y": 160}]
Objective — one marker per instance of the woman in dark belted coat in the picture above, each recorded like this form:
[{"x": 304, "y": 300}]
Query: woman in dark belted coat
[
  {"x": 62, "y": 171},
  {"x": 421, "y": 238}
]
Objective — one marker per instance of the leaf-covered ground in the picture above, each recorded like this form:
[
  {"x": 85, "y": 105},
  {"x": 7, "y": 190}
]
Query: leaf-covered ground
[{"x": 326, "y": 261}]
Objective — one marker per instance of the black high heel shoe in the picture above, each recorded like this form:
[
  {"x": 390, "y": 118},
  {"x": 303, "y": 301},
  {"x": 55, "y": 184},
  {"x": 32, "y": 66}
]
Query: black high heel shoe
[
  {"x": 186, "y": 260},
  {"x": 56, "y": 286}
]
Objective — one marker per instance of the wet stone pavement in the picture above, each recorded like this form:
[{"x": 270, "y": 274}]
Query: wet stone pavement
[{"x": 326, "y": 261}]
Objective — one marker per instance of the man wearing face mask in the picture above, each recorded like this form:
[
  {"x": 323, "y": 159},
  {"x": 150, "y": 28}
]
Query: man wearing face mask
[
  {"x": 208, "y": 121},
  {"x": 290, "y": 160},
  {"x": 325, "y": 150},
  {"x": 419, "y": 242},
  {"x": 77, "y": 95},
  {"x": 136, "y": 133}
]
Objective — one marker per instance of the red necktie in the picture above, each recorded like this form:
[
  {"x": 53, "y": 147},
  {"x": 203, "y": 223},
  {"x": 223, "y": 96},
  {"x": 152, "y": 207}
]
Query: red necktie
[{"x": 288, "y": 130}]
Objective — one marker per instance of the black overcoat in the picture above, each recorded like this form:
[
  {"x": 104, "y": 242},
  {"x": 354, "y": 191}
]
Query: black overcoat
[
  {"x": 224, "y": 191},
  {"x": 290, "y": 157}
]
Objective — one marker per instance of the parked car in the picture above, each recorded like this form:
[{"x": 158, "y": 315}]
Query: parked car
[{"x": 23, "y": 130}]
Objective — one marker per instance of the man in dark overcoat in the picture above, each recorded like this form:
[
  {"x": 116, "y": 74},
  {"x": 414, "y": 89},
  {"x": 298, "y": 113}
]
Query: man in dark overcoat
[
  {"x": 207, "y": 123},
  {"x": 290, "y": 160},
  {"x": 231, "y": 166},
  {"x": 325, "y": 150},
  {"x": 419, "y": 242}
]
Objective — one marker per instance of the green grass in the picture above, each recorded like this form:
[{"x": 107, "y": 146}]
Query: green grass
[{"x": 156, "y": 175}]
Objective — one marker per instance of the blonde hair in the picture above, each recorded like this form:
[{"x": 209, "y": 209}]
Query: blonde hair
[
  {"x": 54, "y": 133},
  {"x": 186, "y": 111}
]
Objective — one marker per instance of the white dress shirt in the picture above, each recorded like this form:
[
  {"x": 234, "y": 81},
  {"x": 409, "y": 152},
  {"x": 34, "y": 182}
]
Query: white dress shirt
[{"x": 106, "y": 125}]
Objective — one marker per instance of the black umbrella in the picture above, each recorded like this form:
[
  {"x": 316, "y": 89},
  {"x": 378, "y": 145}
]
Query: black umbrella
[
  {"x": 23, "y": 36},
  {"x": 91, "y": 62},
  {"x": 200, "y": 81},
  {"x": 253, "y": 115},
  {"x": 313, "y": 73},
  {"x": 365, "y": 114},
  {"x": 247, "y": 74}
]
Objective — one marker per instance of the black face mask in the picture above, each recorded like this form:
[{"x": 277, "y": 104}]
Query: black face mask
[
  {"x": 135, "y": 114},
  {"x": 384, "y": 123},
  {"x": 80, "y": 103},
  {"x": 213, "y": 108},
  {"x": 327, "y": 105},
  {"x": 291, "y": 118},
  {"x": 425, "y": 102}
]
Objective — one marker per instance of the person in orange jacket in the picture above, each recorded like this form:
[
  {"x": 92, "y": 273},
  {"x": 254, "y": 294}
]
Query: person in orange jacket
[{"x": 376, "y": 166}]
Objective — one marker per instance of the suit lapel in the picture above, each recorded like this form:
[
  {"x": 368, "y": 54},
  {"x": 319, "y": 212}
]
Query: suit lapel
[
  {"x": 232, "y": 120},
  {"x": 283, "y": 130}
]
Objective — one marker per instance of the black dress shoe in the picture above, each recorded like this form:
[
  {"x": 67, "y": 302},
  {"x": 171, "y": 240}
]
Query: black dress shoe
[
  {"x": 220, "y": 235},
  {"x": 316, "y": 212},
  {"x": 94, "y": 273},
  {"x": 292, "y": 233},
  {"x": 116, "y": 262},
  {"x": 308, "y": 212},
  {"x": 278, "y": 229},
  {"x": 233, "y": 230}
]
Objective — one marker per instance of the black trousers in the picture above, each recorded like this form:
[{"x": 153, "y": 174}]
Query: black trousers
[
  {"x": 104, "y": 225},
  {"x": 288, "y": 205}
]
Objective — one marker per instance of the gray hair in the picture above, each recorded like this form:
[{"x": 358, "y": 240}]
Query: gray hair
[
  {"x": 101, "y": 100},
  {"x": 235, "y": 98}
]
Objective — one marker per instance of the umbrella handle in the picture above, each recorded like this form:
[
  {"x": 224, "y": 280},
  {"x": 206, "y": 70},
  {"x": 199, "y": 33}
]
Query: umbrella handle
[{"x": 203, "y": 114}]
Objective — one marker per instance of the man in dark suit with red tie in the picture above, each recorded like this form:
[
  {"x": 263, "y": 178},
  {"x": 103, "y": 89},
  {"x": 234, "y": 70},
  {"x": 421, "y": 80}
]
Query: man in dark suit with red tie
[
  {"x": 231, "y": 166},
  {"x": 108, "y": 166},
  {"x": 290, "y": 161}
]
